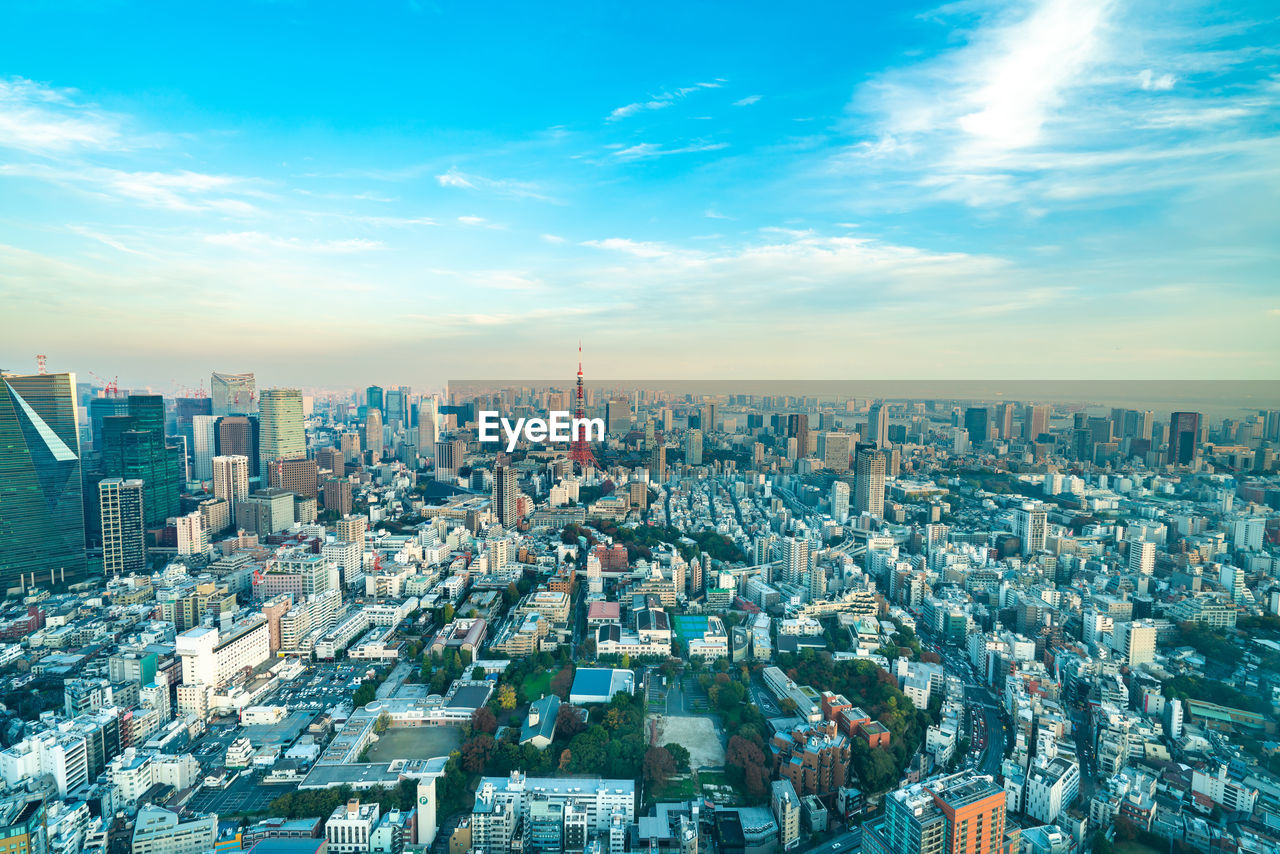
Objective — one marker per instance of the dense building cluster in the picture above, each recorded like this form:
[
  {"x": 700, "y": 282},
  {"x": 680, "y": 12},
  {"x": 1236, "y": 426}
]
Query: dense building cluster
[{"x": 301, "y": 622}]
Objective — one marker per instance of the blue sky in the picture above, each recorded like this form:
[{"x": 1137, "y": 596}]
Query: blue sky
[{"x": 412, "y": 191}]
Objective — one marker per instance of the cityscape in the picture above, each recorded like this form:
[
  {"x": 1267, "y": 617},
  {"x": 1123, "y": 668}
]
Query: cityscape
[
  {"x": 292, "y": 622},
  {"x": 667, "y": 428}
]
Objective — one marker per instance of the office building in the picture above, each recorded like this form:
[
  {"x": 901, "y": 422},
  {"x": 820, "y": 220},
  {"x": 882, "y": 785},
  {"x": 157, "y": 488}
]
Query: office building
[
  {"x": 237, "y": 436},
  {"x": 41, "y": 494},
  {"x": 23, "y": 828},
  {"x": 135, "y": 448},
  {"x": 589, "y": 809},
  {"x": 300, "y": 476},
  {"x": 124, "y": 536},
  {"x": 693, "y": 447},
  {"x": 211, "y": 657},
  {"x": 1184, "y": 433},
  {"x": 280, "y": 431},
  {"x": 428, "y": 426},
  {"x": 204, "y": 445},
  {"x": 349, "y": 828},
  {"x": 878, "y": 426},
  {"x": 840, "y": 501},
  {"x": 1035, "y": 421},
  {"x": 233, "y": 394},
  {"x": 797, "y": 560},
  {"x": 373, "y": 441},
  {"x": 837, "y": 451},
  {"x": 977, "y": 420},
  {"x": 868, "y": 484},
  {"x": 658, "y": 463},
  {"x": 798, "y": 429},
  {"x": 230, "y": 479}
]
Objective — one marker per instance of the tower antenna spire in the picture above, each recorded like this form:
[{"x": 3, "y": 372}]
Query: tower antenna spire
[{"x": 579, "y": 450}]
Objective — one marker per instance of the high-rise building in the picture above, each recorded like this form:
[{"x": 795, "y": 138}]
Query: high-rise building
[
  {"x": 798, "y": 429},
  {"x": 373, "y": 433},
  {"x": 868, "y": 484},
  {"x": 100, "y": 408},
  {"x": 658, "y": 463},
  {"x": 504, "y": 495},
  {"x": 960, "y": 814},
  {"x": 796, "y": 560},
  {"x": 237, "y": 436},
  {"x": 617, "y": 420},
  {"x": 1035, "y": 421},
  {"x": 373, "y": 398},
  {"x": 1030, "y": 523},
  {"x": 1142, "y": 557},
  {"x": 124, "y": 534},
  {"x": 41, "y": 494},
  {"x": 233, "y": 394},
  {"x": 231, "y": 479},
  {"x": 449, "y": 457},
  {"x": 186, "y": 410},
  {"x": 977, "y": 420},
  {"x": 301, "y": 476},
  {"x": 786, "y": 811},
  {"x": 840, "y": 501},
  {"x": 1004, "y": 420},
  {"x": 281, "y": 435},
  {"x": 351, "y": 447},
  {"x": 837, "y": 450},
  {"x": 428, "y": 426},
  {"x": 204, "y": 444},
  {"x": 396, "y": 407},
  {"x": 878, "y": 425},
  {"x": 1184, "y": 432},
  {"x": 693, "y": 447},
  {"x": 135, "y": 448}
]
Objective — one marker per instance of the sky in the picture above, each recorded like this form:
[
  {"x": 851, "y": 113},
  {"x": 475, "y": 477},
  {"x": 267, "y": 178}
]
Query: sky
[{"x": 338, "y": 194}]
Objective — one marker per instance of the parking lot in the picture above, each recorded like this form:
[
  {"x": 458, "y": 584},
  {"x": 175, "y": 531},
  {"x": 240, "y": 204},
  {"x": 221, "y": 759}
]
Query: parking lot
[
  {"x": 322, "y": 686},
  {"x": 245, "y": 795},
  {"x": 695, "y": 699}
]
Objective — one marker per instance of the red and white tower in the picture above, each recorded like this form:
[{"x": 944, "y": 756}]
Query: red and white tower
[{"x": 579, "y": 450}]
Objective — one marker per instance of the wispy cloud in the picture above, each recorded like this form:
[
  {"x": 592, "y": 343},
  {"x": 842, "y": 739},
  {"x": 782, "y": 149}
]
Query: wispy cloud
[
  {"x": 747, "y": 101},
  {"x": 257, "y": 241},
  {"x": 40, "y": 119},
  {"x": 458, "y": 179},
  {"x": 647, "y": 150},
  {"x": 660, "y": 102}
]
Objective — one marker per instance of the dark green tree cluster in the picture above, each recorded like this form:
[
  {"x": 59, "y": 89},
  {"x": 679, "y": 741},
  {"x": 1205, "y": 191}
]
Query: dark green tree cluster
[
  {"x": 308, "y": 803},
  {"x": 439, "y": 669},
  {"x": 368, "y": 690},
  {"x": 875, "y": 691}
]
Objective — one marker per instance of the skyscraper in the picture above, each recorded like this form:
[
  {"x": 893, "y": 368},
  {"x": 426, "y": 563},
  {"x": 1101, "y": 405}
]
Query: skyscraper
[
  {"x": 237, "y": 436},
  {"x": 373, "y": 398},
  {"x": 878, "y": 425},
  {"x": 796, "y": 561},
  {"x": 658, "y": 463},
  {"x": 41, "y": 494},
  {"x": 373, "y": 433},
  {"x": 231, "y": 479},
  {"x": 798, "y": 429},
  {"x": 693, "y": 447},
  {"x": 204, "y": 444},
  {"x": 838, "y": 447},
  {"x": 233, "y": 394},
  {"x": 1035, "y": 421},
  {"x": 280, "y": 432},
  {"x": 186, "y": 410},
  {"x": 1004, "y": 420},
  {"x": 839, "y": 501},
  {"x": 428, "y": 426},
  {"x": 1142, "y": 557},
  {"x": 868, "y": 483},
  {"x": 977, "y": 420},
  {"x": 135, "y": 448},
  {"x": 504, "y": 495},
  {"x": 124, "y": 536},
  {"x": 1184, "y": 430}
]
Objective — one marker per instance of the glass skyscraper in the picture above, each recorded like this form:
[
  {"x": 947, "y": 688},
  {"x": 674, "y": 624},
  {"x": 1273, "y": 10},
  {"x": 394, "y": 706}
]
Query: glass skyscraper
[
  {"x": 135, "y": 448},
  {"x": 41, "y": 494}
]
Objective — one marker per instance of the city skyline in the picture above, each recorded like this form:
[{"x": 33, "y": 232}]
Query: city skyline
[{"x": 1058, "y": 190}]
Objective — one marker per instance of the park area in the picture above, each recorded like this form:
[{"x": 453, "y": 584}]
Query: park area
[
  {"x": 422, "y": 742},
  {"x": 701, "y": 736}
]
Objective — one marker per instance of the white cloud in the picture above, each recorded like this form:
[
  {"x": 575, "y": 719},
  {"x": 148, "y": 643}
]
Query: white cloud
[
  {"x": 647, "y": 150},
  {"x": 747, "y": 101},
  {"x": 257, "y": 241},
  {"x": 1150, "y": 82},
  {"x": 639, "y": 249},
  {"x": 660, "y": 102},
  {"x": 39, "y": 119},
  {"x": 456, "y": 178}
]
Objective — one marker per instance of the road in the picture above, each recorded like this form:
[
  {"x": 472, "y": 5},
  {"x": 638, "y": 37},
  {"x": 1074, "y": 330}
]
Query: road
[
  {"x": 845, "y": 843},
  {"x": 999, "y": 736}
]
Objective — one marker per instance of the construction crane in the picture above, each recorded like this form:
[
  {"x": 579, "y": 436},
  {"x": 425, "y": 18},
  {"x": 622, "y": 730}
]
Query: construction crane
[{"x": 110, "y": 389}]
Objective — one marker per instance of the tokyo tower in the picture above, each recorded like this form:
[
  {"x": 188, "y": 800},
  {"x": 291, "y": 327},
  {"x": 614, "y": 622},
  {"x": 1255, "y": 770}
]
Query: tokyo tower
[{"x": 579, "y": 450}]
